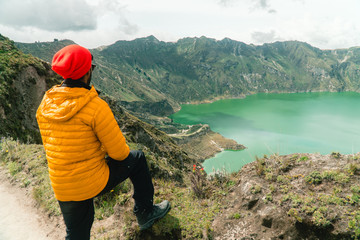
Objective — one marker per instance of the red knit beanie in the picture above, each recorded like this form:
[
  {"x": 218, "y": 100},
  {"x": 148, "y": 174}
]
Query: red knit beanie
[{"x": 72, "y": 61}]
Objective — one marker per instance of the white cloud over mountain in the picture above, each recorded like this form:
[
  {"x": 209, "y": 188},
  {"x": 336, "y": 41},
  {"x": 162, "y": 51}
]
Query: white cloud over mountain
[{"x": 92, "y": 23}]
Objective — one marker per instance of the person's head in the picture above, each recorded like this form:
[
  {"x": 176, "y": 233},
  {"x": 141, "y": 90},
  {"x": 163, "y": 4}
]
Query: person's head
[{"x": 73, "y": 62}]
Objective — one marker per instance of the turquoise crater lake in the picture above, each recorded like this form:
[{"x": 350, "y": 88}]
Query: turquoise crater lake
[{"x": 279, "y": 123}]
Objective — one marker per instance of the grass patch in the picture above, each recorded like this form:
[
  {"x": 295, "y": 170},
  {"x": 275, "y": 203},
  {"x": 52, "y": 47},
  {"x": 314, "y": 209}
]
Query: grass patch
[
  {"x": 191, "y": 215},
  {"x": 354, "y": 224},
  {"x": 26, "y": 163},
  {"x": 310, "y": 194}
]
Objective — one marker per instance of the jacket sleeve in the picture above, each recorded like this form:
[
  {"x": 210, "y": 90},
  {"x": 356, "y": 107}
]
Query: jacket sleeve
[{"x": 109, "y": 133}]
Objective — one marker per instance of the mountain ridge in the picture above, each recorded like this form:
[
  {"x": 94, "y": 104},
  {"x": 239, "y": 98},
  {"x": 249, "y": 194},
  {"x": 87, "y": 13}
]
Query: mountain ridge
[
  {"x": 152, "y": 78},
  {"x": 204, "y": 69}
]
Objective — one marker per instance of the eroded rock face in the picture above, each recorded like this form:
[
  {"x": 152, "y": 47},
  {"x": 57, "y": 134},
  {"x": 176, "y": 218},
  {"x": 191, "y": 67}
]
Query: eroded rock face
[
  {"x": 23, "y": 96},
  {"x": 23, "y": 82},
  {"x": 31, "y": 88},
  {"x": 305, "y": 196}
]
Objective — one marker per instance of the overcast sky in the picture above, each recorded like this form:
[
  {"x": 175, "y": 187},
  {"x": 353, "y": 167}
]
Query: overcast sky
[{"x": 326, "y": 24}]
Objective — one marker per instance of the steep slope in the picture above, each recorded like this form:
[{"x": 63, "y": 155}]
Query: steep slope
[
  {"x": 305, "y": 196},
  {"x": 43, "y": 50},
  {"x": 197, "y": 69},
  {"x": 23, "y": 81},
  {"x": 146, "y": 71}
]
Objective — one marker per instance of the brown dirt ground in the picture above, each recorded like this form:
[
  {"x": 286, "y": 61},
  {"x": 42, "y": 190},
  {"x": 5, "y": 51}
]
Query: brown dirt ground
[{"x": 20, "y": 217}]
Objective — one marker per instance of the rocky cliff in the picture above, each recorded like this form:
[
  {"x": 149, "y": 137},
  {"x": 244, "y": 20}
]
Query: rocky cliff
[
  {"x": 299, "y": 196},
  {"x": 23, "y": 82}
]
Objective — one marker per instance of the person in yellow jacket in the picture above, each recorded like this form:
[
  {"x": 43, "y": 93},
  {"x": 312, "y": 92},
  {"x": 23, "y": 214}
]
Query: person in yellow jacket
[{"x": 86, "y": 151}]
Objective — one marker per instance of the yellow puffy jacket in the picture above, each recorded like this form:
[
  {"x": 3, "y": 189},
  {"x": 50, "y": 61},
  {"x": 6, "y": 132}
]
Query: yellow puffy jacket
[{"x": 78, "y": 129}]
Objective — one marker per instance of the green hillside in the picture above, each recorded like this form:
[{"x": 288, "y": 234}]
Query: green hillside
[
  {"x": 147, "y": 71},
  {"x": 23, "y": 81},
  {"x": 43, "y": 50}
]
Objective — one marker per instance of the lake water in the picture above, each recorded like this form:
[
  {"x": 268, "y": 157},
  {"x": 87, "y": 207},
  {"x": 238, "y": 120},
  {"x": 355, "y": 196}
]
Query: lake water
[{"x": 279, "y": 123}]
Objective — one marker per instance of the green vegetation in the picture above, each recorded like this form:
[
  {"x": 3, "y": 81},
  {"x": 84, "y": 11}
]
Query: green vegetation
[
  {"x": 147, "y": 70},
  {"x": 314, "y": 178},
  {"x": 354, "y": 224},
  {"x": 191, "y": 215},
  {"x": 336, "y": 155},
  {"x": 255, "y": 189},
  {"x": 27, "y": 165},
  {"x": 236, "y": 216},
  {"x": 44, "y": 49},
  {"x": 300, "y": 193},
  {"x": 18, "y": 92}
]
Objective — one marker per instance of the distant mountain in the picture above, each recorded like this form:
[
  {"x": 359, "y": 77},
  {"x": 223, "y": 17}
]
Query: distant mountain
[
  {"x": 146, "y": 71},
  {"x": 43, "y": 50}
]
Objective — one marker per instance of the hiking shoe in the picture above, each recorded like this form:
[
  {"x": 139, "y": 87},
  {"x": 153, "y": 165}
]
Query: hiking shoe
[{"x": 146, "y": 218}]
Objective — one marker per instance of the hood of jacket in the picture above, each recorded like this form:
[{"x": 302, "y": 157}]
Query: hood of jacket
[{"x": 62, "y": 103}]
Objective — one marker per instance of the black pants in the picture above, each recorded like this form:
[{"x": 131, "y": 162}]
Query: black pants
[{"x": 79, "y": 216}]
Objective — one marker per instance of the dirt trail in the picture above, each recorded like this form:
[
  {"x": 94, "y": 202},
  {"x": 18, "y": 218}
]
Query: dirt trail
[{"x": 19, "y": 218}]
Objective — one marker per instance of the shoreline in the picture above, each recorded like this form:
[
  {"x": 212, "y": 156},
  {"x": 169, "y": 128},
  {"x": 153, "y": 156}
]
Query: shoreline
[
  {"x": 204, "y": 143},
  {"x": 243, "y": 96},
  {"x": 222, "y": 149}
]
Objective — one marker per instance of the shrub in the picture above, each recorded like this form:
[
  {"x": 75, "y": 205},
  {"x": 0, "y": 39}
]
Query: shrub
[
  {"x": 319, "y": 219},
  {"x": 236, "y": 216},
  {"x": 293, "y": 212},
  {"x": 14, "y": 168},
  {"x": 260, "y": 166},
  {"x": 354, "y": 224},
  {"x": 303, "y": 159},
  {"x": 282, "y": 179},
  {"x": 342, "y": 178},
  {"x": 353, "y": 168},
  {"x": 336, "y": 155},
  {"x": 255, "y": 189},
  {"x": 314, "y": 178},
  {"x": 355, "y": 189},
  {"x": 294, "y": 157},
  {"x": 329, "y": 175},
  {"x": 198, "y": 181},
  {"x": 268, "y": 198}
]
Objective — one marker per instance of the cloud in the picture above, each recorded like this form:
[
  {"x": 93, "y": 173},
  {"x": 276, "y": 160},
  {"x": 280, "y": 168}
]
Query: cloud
[
  {"x": 257, "y": 4},
  {"x": 300, "y": 1},
  {"x": 263, "y": 5},
  {"x": 112, "y": 6},
  {"x": 128, "y": 28},
  {"x": 334, "y": 34},
  {"x": 225, "y": 3},
  {"x": 114, "y": 12},
  {"x": 264, "y": 37},
  {"x": 54, "y": 15}
]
